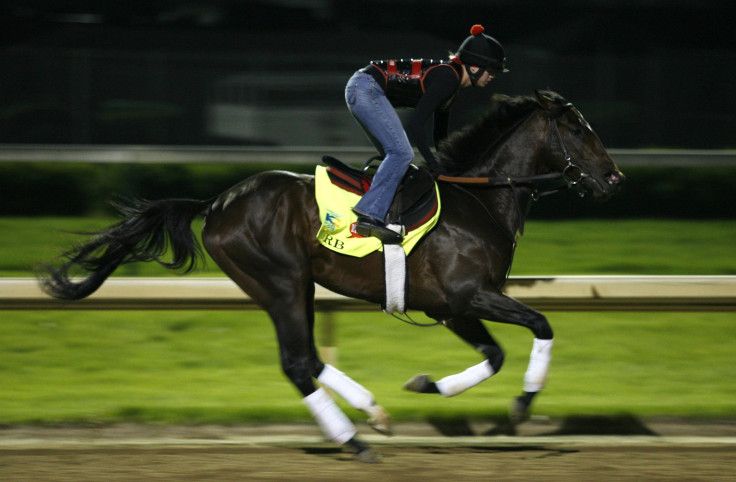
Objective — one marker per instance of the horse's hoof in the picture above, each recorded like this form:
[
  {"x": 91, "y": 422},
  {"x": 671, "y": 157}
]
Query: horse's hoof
[
  {"x": 380, "y": 421},
  {"x": 369, "y": 456},
  {"x": 419, "y": 384},
  {"x": 518, "y": 411},
  {"x": 362, "y": 451}
]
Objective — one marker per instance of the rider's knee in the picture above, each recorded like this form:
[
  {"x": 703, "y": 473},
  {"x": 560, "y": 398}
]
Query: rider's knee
[{"x": 401, "y": 154}]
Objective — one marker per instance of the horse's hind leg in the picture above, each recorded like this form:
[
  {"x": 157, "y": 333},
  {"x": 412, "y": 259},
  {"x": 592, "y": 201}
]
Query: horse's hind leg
[
  {"x": 354, "y": 393},
  {"x": 357, "y": 396},
  {"x": 294, "y": 320},
  {"x": 290, "y": 304},
  {"x": 293, "y": 317}
]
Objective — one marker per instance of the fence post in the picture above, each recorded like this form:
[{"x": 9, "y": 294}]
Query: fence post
[{"x": 327, "y": 339}]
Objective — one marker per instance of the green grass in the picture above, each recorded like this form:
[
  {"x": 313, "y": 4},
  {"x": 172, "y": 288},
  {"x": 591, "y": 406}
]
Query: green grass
[
  {"x": 627, "y": 247},
  {"x": 222, "y": 367}
]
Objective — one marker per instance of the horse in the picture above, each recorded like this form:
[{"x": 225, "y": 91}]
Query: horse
[{"x": 262, "y": 234}]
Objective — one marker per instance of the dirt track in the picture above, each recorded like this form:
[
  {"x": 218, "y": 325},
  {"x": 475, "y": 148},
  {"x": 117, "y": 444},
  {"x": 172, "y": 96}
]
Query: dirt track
[{"x": 288, "y": 453}]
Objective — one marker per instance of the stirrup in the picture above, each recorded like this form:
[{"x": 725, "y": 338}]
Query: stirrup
[
  {"x": 368, "y": 227},
  {"x": 372, "y": 163}
]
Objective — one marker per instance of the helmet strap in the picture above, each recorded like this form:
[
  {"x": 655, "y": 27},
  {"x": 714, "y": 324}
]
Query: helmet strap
[{"x": 474, "y": 76}]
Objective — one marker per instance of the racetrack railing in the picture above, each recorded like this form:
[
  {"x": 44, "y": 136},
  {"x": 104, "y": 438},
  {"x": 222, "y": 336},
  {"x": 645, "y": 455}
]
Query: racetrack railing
[
  {"x": 552, "y": 293},
  {"x": 134, "y": 154}
]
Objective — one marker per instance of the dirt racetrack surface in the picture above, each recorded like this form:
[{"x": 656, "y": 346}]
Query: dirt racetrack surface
[{"x": 675, "y": 452}]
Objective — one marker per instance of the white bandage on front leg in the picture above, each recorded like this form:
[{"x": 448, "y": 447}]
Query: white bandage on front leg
[
  {"x": 536, "y": 374},
  {"x": 454, "y": 384},
  {"x": 353, "y": 392},
  {"x": 336, "y": 426}
]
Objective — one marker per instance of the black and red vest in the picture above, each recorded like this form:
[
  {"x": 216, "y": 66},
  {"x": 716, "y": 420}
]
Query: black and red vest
[{"x": 403, "y": 80}]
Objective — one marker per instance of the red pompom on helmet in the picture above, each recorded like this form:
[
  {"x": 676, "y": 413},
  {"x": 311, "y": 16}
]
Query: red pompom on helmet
[{"x": 482, "y": 50}]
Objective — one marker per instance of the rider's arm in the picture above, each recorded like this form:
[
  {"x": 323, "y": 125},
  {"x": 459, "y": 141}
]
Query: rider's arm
[
  {"x": 441, "y": 125},
  {"x": 440, "y": 85}
]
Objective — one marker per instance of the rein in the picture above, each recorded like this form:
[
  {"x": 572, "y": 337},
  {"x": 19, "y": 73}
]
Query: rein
[{"x": 511, "y": 181}]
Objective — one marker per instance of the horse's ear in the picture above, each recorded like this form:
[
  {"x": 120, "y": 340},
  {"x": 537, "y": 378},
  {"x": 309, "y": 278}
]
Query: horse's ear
[
  {"x": 544, "y": 99},
  {"x": 552, "y": 103}
]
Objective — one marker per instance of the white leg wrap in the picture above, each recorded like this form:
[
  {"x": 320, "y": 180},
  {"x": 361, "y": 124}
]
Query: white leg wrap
[
  {"x": 353, "y": 392},
  {"x": 454, "y": 384},
  {"x": 334, "y": 424},
  {"x": 536, "y": 374}
]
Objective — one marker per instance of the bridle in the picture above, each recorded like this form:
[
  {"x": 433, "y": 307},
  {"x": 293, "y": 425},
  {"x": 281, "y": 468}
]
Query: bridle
[
  {"x": 572, "y": 175},
  {"x": 570, "y": 180}
]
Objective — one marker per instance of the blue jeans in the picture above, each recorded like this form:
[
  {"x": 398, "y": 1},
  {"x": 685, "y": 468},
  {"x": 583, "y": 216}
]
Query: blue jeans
[{"x": 378, "y": 118}]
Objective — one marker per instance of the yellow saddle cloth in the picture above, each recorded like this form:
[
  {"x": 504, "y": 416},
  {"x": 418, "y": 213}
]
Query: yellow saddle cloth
[{"x": 338, "y": 220}]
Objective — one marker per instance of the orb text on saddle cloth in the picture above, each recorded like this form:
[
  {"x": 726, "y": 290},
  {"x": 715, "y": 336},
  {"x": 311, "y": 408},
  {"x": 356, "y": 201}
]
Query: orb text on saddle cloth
[{"x": 338, "y": 221}]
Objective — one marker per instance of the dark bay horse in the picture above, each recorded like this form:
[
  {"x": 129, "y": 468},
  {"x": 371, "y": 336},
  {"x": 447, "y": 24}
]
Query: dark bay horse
[{"x": 262, "y": 234}]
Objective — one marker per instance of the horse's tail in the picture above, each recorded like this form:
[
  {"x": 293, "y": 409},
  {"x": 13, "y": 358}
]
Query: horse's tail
[{"x": 148, "y": 228}]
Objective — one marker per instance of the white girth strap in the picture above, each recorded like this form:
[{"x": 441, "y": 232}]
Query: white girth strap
[{"x": 394, "y": 262}]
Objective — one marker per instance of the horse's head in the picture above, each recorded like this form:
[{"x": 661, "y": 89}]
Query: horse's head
[{"x": 575, "y": 150}]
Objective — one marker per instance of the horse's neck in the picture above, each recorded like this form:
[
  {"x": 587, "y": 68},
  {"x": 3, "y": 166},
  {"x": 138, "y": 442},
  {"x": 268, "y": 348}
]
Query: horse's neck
[
  {"x": 517, "y": 154},
  {"x": 509, "y": 205}
]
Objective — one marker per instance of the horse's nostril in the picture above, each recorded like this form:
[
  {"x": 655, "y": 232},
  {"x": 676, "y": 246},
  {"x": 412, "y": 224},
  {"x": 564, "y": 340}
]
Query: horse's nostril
[{"x": 615, "y": 177}]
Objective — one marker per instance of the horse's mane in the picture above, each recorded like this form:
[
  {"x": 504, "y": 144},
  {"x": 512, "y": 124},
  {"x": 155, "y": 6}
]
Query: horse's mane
[{"x": 464, "y": 148}]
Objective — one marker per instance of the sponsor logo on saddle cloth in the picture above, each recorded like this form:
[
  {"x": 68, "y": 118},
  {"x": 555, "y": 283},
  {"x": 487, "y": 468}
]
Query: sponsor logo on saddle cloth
[{"x": 338, "y": 220}]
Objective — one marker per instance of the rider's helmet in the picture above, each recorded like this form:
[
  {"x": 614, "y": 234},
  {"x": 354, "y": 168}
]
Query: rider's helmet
[{"x": 483, "y": 51}]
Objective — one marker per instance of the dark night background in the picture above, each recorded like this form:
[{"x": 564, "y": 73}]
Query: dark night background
[{"x": 649, "y": 73}]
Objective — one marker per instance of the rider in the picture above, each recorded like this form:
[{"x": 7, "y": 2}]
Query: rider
[{"x": 427, "y": 86}]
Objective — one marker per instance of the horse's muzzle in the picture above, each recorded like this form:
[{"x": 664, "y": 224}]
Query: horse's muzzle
[{"x": 606, "y": 186}]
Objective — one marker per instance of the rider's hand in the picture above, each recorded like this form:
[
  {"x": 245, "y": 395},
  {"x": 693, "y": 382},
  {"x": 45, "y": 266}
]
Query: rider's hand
[{"x": 436, "y": 169}]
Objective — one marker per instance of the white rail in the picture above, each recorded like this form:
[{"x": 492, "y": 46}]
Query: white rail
[
  {"x": 557, "y": 293},
  {"x": 306, "y": 155}
]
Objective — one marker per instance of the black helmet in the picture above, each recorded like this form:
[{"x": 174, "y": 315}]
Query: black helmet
[{"x": 482, "y": 50}]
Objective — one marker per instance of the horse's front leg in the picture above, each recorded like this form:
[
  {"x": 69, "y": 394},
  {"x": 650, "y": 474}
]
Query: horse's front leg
[
  {"x": 535, "y": 379},
  {"x": 473, "y": 332},
  {"x": 495, "y": 306},
  {"x": 491, "y": 305}
]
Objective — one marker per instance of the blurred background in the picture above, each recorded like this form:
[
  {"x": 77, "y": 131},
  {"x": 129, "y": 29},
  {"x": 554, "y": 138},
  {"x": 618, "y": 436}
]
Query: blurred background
[
  {"x": 646, "y": 74},
  {"x": 651, "y": 73}
]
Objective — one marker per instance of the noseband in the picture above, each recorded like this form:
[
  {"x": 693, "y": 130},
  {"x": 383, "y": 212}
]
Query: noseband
[{"x": 572, "y": 174}]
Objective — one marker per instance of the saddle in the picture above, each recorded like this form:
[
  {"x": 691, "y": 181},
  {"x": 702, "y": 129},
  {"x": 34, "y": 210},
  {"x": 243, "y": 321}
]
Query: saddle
[{"x": 415, "y": 201}]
